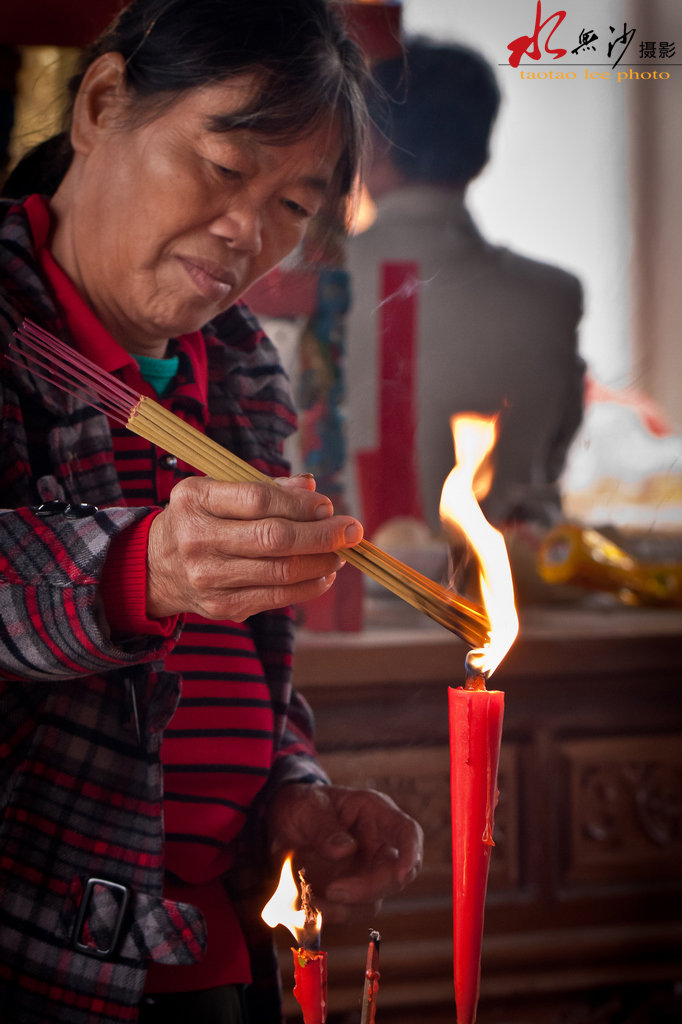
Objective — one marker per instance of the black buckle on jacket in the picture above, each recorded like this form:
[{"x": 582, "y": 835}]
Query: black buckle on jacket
[
  {"x": 72, "y": 510},
  {"x": 121, "y": 895}
]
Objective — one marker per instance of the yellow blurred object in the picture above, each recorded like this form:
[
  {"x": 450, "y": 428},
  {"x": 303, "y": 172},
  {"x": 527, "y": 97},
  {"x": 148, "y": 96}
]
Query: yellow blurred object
[{"x": 573, "y": 554}]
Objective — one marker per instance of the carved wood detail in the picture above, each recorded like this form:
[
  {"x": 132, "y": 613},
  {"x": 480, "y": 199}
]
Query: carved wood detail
[{"x": 626, "y": 806}]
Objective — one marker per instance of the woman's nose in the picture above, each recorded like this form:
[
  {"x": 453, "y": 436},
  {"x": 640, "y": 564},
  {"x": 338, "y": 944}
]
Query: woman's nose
[{"x": 241, "y": 227}]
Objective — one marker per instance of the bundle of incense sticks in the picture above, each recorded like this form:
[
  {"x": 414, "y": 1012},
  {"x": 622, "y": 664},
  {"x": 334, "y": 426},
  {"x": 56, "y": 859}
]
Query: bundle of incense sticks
[{"x": 50, "y": 359}]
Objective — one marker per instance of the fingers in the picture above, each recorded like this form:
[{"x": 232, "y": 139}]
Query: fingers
[
  {"x": 238, "y": 605},
  {"x": 389, "y": 854},
  {"x": 268, "y": 572},
  {"x": 250, "y": 501},
  {"x": 379, "y": 879},
  {"x": 359, "y": 896},
  {"x": 264, "y": 521},
  {"x": 226, "y": 550},
  {"x": 392, "y": 836},
  {"x": 279, "y": 537}
]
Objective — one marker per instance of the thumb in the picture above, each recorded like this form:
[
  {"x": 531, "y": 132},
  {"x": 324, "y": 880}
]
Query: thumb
[
  {"x": 313, "y": 822},
  {"x": 333, "y": 841}
]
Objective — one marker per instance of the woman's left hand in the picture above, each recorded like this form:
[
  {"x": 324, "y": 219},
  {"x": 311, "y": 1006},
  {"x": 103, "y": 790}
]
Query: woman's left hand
[{"x": 356, "y": 845}]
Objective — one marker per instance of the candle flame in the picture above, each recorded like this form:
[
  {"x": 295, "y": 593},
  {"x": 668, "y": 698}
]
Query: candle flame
[
  {"x": 474, "y": 438},
  {"x": 283, "y": 907}
]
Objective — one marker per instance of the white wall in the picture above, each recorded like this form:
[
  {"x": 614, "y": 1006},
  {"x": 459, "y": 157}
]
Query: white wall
[{"x": 556, "y": 187}]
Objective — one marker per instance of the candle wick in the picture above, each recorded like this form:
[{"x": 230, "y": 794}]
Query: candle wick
[
  {"x": 474, "y": 678},
  {"x": 311, "y": 933}
]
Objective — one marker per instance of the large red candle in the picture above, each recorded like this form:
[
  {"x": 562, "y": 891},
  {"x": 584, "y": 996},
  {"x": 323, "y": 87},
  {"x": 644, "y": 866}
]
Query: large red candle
[
  {"x": 475, "y": 736},
  {"x": 475, "y": 713}
]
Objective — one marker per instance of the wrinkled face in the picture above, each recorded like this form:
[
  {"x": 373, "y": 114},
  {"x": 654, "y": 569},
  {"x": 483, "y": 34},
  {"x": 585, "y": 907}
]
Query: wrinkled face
[{"x": 174, "y": 220}]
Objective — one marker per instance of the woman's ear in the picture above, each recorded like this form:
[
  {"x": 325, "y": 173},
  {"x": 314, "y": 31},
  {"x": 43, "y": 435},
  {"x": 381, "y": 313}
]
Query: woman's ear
[{"x": 100, "y": 101}]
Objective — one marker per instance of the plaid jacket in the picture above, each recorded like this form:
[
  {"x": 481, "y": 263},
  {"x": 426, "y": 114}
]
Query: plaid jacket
[{"x": 82, "y": 717}]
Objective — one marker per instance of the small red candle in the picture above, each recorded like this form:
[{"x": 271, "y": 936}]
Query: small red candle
[
  {"x": 310, "y": 984},
  {"x": 296, "y": 912},
  {"x": 475, "y": 736}
]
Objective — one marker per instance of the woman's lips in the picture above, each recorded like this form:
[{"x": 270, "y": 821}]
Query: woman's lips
[{"x": 213, "y": 281}]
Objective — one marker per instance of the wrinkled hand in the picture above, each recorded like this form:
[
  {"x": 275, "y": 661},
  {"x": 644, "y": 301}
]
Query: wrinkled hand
[
  {"x": 356, "y": 845},
  {"x": 227, "y": 551}
]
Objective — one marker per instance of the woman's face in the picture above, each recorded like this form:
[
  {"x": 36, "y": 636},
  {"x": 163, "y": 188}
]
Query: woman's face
[{"x": 172, "y": 220}]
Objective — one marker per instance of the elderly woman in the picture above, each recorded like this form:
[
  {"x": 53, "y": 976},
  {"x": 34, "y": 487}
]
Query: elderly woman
[{"x": 203, "y": 138}]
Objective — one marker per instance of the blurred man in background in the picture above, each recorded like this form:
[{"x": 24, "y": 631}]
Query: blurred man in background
[{"x": 496, "y": 331}]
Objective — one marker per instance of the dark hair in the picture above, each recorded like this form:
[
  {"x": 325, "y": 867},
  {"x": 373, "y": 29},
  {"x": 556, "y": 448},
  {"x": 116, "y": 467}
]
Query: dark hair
[
  {"x": 309, "y": 70},
  {"x": 437, "y": 105}
]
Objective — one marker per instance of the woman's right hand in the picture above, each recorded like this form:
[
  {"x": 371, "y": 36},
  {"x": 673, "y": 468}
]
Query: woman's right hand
[{"x": 228, "y": 551}]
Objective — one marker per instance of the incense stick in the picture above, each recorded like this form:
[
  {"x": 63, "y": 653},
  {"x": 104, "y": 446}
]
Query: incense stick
[
  {"x": 52, "y": 360},
  {"x": 372, "y": 976}
]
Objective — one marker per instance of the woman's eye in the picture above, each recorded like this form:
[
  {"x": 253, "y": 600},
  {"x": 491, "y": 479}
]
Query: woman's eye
[
  {"x": 225, "y": 172},
  {"x": 296, "y": 208}
]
